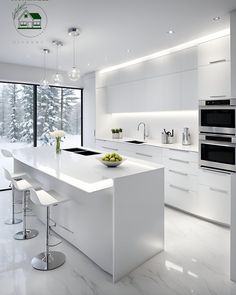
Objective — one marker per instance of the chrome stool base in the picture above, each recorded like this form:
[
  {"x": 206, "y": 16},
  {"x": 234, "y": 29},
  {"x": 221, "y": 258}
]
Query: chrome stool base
[
  {"x": 55, "y": 259},
  {"x": 13, "y": 221},
  {"x": 30, "y": 234}
]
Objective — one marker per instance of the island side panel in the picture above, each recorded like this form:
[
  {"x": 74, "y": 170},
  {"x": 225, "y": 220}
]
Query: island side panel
[
  {"x": 85, "y": 220},
  {"x": 138, "y": 220}
]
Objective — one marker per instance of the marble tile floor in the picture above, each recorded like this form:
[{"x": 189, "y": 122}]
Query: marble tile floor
[{"x": 195, "y": 261}]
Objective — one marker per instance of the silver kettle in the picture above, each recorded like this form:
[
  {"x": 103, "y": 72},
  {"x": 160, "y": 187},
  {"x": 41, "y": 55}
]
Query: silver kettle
[{"x": 186, "y": 138}]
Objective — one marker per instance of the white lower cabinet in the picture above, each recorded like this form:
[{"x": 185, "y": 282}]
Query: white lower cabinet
[
  {"x": 214, "y": 195},
  {"x": 201, "y": 192},
  {"x": 214, "y": 204}
]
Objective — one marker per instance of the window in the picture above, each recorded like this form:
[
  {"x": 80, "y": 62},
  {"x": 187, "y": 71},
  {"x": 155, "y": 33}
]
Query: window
[{"x": 28, "y": 114}]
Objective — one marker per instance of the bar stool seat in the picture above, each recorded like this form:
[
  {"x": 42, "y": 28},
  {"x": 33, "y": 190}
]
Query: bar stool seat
[
  {"x": 9, "y": 176},
  {"x": 47, "y": 260},
  {"x": 24, "y": 185}
]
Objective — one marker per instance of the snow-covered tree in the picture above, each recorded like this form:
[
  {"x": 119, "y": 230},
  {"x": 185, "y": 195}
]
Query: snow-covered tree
[
  {"x": 13, "y": 96},
  {"x": 68, "y": 102},
  {"x": 48, "y": 113},
  {"x": 26, "y": 124}
]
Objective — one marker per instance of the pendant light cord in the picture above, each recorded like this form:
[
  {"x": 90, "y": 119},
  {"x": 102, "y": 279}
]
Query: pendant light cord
[
  {"x": 44, "y": 64},
  {"x": 74, "y": 55},
  {"x": 57, "y": 58}
]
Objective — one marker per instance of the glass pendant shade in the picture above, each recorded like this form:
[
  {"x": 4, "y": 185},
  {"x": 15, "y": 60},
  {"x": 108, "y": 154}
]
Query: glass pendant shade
[
  {"x": 57, "y": 79},
  {"x": 44, "y": 84},
  {"x": 74, "y": 74}
]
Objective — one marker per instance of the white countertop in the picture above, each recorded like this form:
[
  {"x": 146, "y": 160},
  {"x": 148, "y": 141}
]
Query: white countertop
[
  {"x": 83, "y": 172},
  {"x": 153, "y": 142}
]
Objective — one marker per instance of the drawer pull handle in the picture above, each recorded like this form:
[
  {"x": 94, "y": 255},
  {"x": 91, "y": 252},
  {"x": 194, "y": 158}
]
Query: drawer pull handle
[
  {"x": 215, "y": 171},
  {"x": 217, "y": 61},
  {"x": 145, "y": 155},
  {"x": 177, "y": 172},
  {"x": 218, "y": 190},
  {"x": 217, "y": 96},
  {"x": 177, "y": 160},
  {"x": 179, "y": 188},
  {"x": 108, "y": 148}
]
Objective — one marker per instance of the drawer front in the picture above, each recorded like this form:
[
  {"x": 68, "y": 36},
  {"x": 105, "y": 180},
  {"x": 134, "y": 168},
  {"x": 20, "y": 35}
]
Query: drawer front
[
  {"x": 214, "y": 179},
  {"x": 182, "y": 179},
  {"x": 181, "y": 155},
  {"x": 107, "y": 146},
  {"x": 181, "y": 198},
  {"x": 181, "y": 165},
  {"x": 214, "y": 204}
]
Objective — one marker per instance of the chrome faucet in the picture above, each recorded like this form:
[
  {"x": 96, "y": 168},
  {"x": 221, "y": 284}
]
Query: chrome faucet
[{"x": 144, "y": 129}]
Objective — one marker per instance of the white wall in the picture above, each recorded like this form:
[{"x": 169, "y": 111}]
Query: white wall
[
  {"x": 89, "y": 110},
  {"x": 155, "y": 123},
  {"x": 26, "y": 74}
]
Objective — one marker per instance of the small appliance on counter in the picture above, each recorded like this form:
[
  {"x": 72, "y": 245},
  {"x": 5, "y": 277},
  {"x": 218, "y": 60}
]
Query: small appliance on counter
[
  {"x": 168, "y": 137},
  {"x": 186, "y": 138}
]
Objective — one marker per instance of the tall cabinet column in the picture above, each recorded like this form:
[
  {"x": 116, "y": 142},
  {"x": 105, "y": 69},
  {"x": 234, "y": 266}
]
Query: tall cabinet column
[{"x": 233, "y": 181}]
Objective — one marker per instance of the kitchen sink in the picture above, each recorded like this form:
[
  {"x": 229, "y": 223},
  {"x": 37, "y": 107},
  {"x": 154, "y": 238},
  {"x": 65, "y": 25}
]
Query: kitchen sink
[
  {"x": 81, "y": 152},
  {"x": 135, "y": 141},
  {"x": 75, "y": 150}
]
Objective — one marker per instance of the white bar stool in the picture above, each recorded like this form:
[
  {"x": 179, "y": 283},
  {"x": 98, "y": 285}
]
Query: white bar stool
[
  {"x": 47, "y": 260},
  {"x": 9, "y": 176},
  {"x": 24, "y": 185}
]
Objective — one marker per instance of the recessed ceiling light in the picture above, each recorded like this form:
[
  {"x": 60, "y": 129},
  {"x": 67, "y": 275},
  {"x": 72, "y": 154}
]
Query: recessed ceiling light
[
  {"x": 128, "y": 50},
  {"x": 217, "y": 18},
  {"x": 88, "y": 64},
  {"x": 170, "y": 32}
]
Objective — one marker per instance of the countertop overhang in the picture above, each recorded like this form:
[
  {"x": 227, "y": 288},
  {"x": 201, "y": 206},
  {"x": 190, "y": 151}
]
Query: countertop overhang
[{"x": 83, "y": 172}]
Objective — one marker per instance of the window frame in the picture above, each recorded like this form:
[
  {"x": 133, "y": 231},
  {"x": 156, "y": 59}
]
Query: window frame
[{"x": 35, "y": 105}]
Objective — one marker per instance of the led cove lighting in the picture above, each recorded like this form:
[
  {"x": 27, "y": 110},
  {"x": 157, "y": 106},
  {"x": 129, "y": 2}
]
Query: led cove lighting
[{"x": 168, "y": 51}]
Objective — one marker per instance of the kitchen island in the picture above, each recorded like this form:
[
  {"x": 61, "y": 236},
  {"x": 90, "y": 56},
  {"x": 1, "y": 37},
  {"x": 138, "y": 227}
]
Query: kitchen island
[{"x": 115, "y": 216}]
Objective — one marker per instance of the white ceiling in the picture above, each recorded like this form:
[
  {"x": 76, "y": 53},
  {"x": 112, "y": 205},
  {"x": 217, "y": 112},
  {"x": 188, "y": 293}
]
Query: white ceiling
[{"x": 110, "y": 28}]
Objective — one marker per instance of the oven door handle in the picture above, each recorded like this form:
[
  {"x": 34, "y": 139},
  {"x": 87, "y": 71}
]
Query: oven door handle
[{"x": 219, "y": 143}]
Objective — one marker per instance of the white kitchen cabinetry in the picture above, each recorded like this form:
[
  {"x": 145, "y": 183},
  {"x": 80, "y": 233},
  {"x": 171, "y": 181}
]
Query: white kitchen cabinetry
[
  {"x": 214, "y": 81},
  {"x": 214, "y": 195},
  {"x": 214, "y": 51},
  {"x": 181, "y": 184},
  {"x": 189, "y": 90},
  {"x": 201, "y": 192},
  {"x": 214, "y": 69},
  {"x": 142, "y": 152}
]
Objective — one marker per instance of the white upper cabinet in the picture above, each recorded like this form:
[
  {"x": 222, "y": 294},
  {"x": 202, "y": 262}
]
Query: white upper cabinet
[
  {"x": 214, "y": 51},
  {"x": 214, "y": 81},
  {"x": 189, "y": 90},
  {"x": 172, "y": 82},
  {"x": 214, "y": 69}
]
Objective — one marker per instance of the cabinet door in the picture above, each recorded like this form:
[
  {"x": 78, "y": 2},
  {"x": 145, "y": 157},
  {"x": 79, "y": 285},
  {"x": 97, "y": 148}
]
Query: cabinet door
[
  {"x": 171, "y": 89},
  {"x": 214, "y": 81},
  {"x": 189, "y": 92},
  {"x": 128, "y": 97},
  {"x": 214, "y": 51},
  {"x": 214, "y": 204}
]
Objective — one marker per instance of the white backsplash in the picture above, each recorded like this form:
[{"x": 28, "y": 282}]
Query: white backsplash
[{"x": 155, "y": 123}]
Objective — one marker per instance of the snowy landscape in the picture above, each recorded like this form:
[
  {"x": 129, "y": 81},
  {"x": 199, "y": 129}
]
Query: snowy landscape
[{"x": 57, "y": 108}]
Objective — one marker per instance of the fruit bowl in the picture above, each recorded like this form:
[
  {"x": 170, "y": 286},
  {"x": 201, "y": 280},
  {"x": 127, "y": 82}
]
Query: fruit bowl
[{"x": 111, "y": 160}]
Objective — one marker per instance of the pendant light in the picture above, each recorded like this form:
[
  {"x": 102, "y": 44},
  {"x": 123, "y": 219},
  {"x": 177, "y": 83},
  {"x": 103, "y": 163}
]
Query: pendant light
[
  {"x": 57, "y": 77},
  {"x": 74, "y": 73},
  {"x": 44, "y": 84}
]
